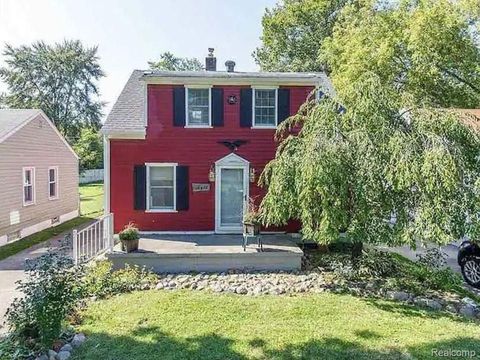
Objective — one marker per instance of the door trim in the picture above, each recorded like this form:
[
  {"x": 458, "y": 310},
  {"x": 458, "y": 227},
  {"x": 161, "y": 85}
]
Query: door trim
[{"x": 231, "y": 161}]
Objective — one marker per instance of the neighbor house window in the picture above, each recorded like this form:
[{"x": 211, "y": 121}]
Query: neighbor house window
[
  {"x": 161, "y": 187},
  {"x": 28, "y": 186},
  {"x": 53, "y": 183},
  {"x": 264, "y": 107},
  {"x": 198, "y": 107}
]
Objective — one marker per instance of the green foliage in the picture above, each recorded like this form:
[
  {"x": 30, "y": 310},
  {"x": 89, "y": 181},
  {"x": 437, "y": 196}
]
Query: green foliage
[
  {"x": 60, "y": 79},
  {"x": 89, "y": 149},
  {"x": 170, "y": 62},
  {"x": 293, "y": 32},
  {"x": 375, "y": 172},
  {"x": 130, "y": 232},
  {"x": 51, "y": 293},
  {"x": 427, "y": 51},
  {"x": 101, "y": 281}
]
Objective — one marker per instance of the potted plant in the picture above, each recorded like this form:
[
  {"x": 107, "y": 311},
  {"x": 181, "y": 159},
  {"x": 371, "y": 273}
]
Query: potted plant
[
  {"x": 129, "y": 237},
  {"x": 251, "y": 219}
]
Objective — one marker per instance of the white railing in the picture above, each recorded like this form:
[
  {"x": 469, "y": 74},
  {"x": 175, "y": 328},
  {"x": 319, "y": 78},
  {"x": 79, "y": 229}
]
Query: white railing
[{"x": 93, "y": 240}]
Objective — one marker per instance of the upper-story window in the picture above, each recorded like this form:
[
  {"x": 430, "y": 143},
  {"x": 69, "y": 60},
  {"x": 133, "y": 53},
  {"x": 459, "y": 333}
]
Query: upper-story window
[
  {"x": 28, "y": 186},
  {"x": 198, "y": 109},
  {"x": 53, "y": 182},
  {"x": 265, "y": 108}
]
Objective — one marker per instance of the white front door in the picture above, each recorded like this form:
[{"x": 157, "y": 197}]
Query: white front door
[{"x": 231, "y": 197}]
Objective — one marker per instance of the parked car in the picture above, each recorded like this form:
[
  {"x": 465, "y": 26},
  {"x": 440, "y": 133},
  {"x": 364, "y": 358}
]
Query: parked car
[{"x": 469, "y": 261}]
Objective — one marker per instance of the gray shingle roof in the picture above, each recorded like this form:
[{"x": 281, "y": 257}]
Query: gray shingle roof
[
  {"x": 11, "y": 119},
  {"x": 128, "y": 115}
]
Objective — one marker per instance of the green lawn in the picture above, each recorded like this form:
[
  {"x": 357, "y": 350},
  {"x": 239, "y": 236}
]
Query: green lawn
[
  {"x": 195, "y": 325},
  {"x": 91, "y": 206},
  {"x": 91, "y": 199}
]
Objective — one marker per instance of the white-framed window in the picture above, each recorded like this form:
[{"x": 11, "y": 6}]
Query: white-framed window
[
  {"x": 198, "y": 109},
  {"x": 28, "y": 186},
  {"x": 161, "y": 192},
  {"x": 52, "y": 182},
  {"x": 264, "y": 107}
]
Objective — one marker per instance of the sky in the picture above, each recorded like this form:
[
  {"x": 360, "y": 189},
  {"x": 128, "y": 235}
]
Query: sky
[{"x": 129, "y": 33}]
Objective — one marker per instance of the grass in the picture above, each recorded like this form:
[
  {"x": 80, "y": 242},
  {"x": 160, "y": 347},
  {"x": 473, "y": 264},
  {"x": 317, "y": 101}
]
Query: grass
[
  {"x": 91, "y": 199},
  {"x": 91, "y": 206},
  {"x": 196, "y": 325}
]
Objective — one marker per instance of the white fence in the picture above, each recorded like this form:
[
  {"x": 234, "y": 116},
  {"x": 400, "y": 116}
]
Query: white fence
[
  {"x": 94, "y": 240},
  {"x": 88, "y": 176}
]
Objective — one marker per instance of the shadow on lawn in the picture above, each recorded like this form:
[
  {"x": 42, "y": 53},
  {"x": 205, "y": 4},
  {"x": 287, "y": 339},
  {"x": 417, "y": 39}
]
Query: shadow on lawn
[{"x": 149, "y": 342}]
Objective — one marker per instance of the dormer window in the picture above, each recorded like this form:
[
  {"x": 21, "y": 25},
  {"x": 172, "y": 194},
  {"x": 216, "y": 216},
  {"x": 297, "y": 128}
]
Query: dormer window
[
  {"x": 198, "y": 109},
  {"x": 264, "y": 107}
]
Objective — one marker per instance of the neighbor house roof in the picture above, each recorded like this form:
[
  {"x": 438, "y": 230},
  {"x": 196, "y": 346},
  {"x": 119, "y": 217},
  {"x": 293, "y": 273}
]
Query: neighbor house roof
[
  {"x": 128, "y": 113},
  {"x": 12, "y": 120}
]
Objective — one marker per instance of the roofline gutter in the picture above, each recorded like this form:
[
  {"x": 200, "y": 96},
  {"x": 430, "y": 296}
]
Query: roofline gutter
[
  {"x": 247, "y": 81},
  {"x": 127, "y": 134}
]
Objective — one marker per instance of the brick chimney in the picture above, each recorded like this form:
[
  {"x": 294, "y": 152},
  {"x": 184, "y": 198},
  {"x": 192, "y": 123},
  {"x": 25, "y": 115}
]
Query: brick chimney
[{"x": 210, "y": 61}]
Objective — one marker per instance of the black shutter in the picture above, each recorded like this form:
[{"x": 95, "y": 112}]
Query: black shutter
[
  {"x": 139, "y": 187},
  {"x": 283, "y": 104},
  {"x": 217, "y": 107},
  {"x": 246, "y": 108},
  {"x": 179, "y": 106},
  {"x": 182, "y": 187}
]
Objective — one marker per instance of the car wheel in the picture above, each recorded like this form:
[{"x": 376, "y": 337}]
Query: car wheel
[{"x": 471, "y": 270}]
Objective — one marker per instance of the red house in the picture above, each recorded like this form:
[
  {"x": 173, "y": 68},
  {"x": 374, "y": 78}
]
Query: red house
[{"x": 184, "y": 150}]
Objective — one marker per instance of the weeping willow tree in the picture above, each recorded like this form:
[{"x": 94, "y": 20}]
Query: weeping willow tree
[{"x": 376, "y": 172}]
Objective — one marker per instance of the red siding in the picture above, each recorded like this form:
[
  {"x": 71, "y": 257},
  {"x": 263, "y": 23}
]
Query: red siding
[{"x": 196, "y": 148}]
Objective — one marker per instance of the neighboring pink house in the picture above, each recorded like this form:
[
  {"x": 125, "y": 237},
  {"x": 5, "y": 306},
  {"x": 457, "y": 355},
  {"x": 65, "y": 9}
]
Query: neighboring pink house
[{"x": 38, "y": 172}]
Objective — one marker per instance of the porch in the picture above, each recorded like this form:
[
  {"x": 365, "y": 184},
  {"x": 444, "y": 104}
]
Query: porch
[{"x": 210, "y": 253}]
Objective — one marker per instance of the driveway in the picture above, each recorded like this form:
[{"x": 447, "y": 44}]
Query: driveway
[{"x": 12, "y": 269}]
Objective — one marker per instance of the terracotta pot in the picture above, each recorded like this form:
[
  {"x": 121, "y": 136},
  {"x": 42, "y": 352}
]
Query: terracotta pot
[
  {"x": 129, "y": 245},
  {"x": 251, "y": 229}
]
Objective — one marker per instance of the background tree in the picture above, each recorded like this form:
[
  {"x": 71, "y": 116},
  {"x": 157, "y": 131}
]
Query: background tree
[
  {"x": 60, "y": 79},
  {"x": 396, "y": 166},
  {"x": 426, "y": 50},
  {"x": 89, "y": 148},
  {"x": 293, "y": 32},
  {"x": 170, "y": 62}
]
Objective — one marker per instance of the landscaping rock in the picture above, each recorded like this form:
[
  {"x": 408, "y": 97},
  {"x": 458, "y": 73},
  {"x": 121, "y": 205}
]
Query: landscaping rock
[
  {"x": 66, "y": 347},
  {"x": 52, "y": 355},
  {"x": 428, "y": 303},
  {"x": 63, "y": 355},
  {"x": 159, "y": 286},
  {"x": 78, "y": 340},
  {"x": 42, "y": 357},
  {"x": 398, "y": 295},
  {"x": 469, "y": 311}
]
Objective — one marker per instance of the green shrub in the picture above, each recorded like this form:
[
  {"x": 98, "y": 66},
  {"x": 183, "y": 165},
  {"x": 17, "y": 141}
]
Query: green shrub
[
  {"x": 51, "y": 293},
  {"x": 130, "y": 232},
  {"x": 101, "y": 281}
]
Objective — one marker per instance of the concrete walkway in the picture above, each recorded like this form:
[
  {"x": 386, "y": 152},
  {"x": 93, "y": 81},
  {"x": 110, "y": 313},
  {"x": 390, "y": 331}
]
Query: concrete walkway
[{"x": 12, "y": 269}]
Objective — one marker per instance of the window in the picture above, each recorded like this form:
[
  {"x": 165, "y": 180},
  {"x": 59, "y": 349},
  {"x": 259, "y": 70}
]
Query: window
[
  {"x": 264, "y": 108},
  {"x": 198, "y": 107},
  {"x": 28, "y": 186},
  {"x": 161, "y": 187},
  {"x": 53, "y": 183}
]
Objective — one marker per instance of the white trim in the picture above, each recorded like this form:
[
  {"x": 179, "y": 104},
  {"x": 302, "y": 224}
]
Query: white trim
[
  {"x": 106, "y": 174},
  {"x": 254, "y": 89},
  {"x": 231, "y": 161},
  {"x": 32, "y": 169},
  {"x": 271, "y": 81},
  {"x": 32, "y": 229},
  {"x": 145, "y": 105},
  {"x": 57, "y": 195},
  {"x": 168, "y": 210},
  {"x": 199, "y": 87},
  {"x": 131, "y": 134}
]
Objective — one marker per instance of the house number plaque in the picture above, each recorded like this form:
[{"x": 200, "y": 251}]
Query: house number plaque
[{"x": 196, "y": 187}]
